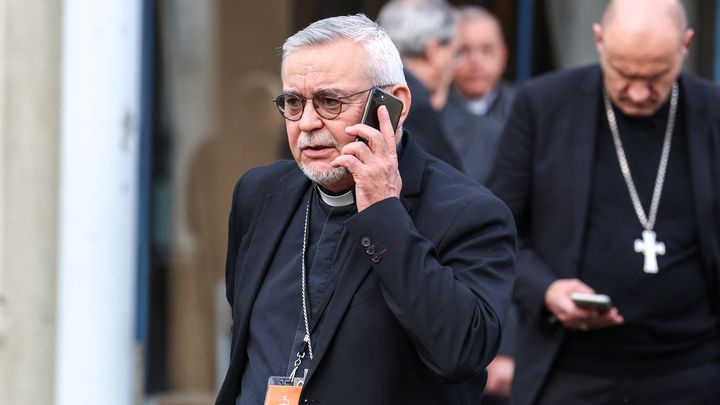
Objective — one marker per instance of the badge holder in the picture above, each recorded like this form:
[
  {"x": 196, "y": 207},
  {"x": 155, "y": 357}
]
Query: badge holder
[{"x": 286, "y": 390}]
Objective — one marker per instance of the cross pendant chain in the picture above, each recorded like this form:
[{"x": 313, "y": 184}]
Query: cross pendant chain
[{"x": 648, "y": 245}]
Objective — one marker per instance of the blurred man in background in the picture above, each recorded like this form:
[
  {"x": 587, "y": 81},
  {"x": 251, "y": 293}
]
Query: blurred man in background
[
  {"x": 473, "y": 117},
  {"x": 424, "y": 33},
  {"x": 479, "y": 100}
]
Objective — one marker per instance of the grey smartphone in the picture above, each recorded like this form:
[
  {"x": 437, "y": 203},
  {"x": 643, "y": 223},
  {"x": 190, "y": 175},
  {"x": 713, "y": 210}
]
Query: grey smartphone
[
  {"x": 377, "y": 98},
  {"x": 598, "y": 302}
]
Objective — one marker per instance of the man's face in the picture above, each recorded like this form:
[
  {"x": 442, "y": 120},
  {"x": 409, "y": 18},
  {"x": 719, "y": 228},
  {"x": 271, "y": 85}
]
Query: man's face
[
  {"x": 638, "y": 73},
  {"x": 484, "y": 57},
  {"x": 336, "y": 69}
]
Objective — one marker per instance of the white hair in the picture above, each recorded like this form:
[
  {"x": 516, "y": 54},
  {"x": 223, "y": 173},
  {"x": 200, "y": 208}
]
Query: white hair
[
  {"x": 412, "y": 24},
  {"x": 383, "y": 65}
]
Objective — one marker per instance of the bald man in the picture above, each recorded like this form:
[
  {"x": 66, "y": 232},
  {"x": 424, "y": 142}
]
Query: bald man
[{"x": 611, "y": 172}]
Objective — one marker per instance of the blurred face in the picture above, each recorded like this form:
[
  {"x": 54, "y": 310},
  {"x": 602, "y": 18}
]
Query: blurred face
[
  {"x": 639, "y": 71},
  {"x": 484, "y": 57},
  {"x": 315, "y": 141}
]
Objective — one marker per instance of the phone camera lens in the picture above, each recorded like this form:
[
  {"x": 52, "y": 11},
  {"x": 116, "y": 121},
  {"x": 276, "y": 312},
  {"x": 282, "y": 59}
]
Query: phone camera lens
[{"x": 381, "y": 97}]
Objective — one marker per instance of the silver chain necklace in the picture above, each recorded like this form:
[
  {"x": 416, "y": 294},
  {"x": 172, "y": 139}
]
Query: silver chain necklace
[
  {"x": 303, "y": 282},
  {"x": 303, "y": 289},
  {"x": 648, "y": 245}
]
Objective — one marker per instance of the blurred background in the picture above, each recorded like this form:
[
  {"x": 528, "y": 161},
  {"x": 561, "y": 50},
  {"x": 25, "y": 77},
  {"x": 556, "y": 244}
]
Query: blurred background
[{"x": 124, "y": 125}]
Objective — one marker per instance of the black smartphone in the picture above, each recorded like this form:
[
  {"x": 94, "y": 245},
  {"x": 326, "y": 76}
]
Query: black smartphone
[
  {"x": 598, "y": 302},
  {"x": 377, "y": 98}
]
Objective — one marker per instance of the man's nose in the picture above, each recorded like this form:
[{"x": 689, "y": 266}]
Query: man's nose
[
  {"x": 310, "y": 119},
  {"x": 638, "y": 91}
]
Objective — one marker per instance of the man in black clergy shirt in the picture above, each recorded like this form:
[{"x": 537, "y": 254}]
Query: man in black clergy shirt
[
  {"x": 374, "y": 273},
  {"x": 611, "y": 173}
]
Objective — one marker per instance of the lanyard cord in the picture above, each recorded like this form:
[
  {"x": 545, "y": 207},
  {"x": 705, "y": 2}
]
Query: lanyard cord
[
  {"x": 303, "y": 282},
  {"x": 303, "y": 289}
]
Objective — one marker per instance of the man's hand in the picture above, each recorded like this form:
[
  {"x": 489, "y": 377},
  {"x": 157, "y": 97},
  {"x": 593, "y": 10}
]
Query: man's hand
[
  {"x": 558, "y": 301},
  {"x": 374, "y": 166},
  {"x": 500, "y": 374}
]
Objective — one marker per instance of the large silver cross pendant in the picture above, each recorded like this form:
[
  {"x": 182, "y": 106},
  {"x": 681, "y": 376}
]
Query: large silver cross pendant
[{"x": 650, "y": 248}]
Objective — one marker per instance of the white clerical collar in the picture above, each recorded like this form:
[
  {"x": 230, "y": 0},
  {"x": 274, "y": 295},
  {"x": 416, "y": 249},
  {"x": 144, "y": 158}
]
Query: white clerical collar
[
  {"x": 341, "y": 200},
  {"x": 481, "y": 106}
]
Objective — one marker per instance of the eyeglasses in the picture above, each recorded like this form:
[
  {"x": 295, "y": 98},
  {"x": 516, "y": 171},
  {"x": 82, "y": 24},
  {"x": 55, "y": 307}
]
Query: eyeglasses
[{"x": 327, "y": 105}]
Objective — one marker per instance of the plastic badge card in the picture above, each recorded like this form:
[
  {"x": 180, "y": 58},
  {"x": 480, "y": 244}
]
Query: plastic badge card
[{"x": 282, "y": 391}]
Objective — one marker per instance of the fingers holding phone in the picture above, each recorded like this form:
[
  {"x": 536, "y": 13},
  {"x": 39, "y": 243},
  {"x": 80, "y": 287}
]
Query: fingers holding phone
[
  {"x": 376, "y": 99},
  {"x": 601, "y": 310},
  {"x": 374, "y": 166},
  {"x": 379, "y": 139},
  {"x": 577, "y": 306}
]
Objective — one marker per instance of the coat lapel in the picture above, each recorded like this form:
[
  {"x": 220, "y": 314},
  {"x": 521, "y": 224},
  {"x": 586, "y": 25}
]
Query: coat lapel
[
  {"x": 700, "y": 148},
  {"x": 582, "y": 141},
  {"x": 353, "y": 267},
  {"x": 278, "y": 207}
]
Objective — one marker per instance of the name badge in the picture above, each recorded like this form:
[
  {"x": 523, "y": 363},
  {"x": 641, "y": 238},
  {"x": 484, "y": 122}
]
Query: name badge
[{"x": 283, "y": 391}]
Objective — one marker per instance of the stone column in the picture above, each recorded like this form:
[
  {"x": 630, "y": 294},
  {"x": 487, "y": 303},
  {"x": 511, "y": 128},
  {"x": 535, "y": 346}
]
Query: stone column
[
  {"x": 29, "y": 100},
  {"x": 99, "y": 149}
]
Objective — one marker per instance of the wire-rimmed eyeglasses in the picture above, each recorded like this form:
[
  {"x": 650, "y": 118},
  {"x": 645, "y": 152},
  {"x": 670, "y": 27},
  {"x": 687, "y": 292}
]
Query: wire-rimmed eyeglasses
[{"x": 328, "y": 105}]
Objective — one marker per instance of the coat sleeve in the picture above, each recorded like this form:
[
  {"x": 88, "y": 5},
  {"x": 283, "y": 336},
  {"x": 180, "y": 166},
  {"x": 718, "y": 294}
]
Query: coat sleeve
[{"x": 450, "y": 295}]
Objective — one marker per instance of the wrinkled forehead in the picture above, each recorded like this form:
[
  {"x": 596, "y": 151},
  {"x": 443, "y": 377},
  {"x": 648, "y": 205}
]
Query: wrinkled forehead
[
  {"x": 333, "y": 65},
  {"x": 642, "y": 54}
]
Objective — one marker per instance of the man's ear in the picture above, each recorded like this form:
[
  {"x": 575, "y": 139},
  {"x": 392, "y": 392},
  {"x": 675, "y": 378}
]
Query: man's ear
[
  {"x": 598, "y": 34},
  {"x": 402, "y": 92},
  {"x": 687, "y": 40}
]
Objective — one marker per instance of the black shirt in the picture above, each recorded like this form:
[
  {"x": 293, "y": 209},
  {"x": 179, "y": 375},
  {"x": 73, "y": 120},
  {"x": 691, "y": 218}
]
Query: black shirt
[
  {"x": 277, "y": 327},
  {"x": 670, "y": 323}
]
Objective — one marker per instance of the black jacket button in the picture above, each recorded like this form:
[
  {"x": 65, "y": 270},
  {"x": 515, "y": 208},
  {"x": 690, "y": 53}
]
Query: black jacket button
[{"x": 365, "y": 241}]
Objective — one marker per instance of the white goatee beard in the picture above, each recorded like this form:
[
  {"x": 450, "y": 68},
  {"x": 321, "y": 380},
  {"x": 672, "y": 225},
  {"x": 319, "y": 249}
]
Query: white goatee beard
[{"x": 322, "y": 177}]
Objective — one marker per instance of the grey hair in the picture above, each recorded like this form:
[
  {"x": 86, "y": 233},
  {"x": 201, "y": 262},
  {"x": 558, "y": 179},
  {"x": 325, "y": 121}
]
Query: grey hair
[
  {"x": 412, "y": 24},
  {"x": 383, "y": 65},
  {"x": 469, "y": 13}
]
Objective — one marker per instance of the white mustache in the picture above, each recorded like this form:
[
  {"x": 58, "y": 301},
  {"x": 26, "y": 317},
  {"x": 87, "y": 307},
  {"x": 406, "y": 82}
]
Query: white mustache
[{"x": 316, "y": 139}]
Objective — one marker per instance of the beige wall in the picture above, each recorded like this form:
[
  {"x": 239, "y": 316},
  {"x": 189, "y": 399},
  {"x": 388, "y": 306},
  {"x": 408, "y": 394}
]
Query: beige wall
[
  {"x": 29, "y": 83},
  {"x": 235, "y": 81}
]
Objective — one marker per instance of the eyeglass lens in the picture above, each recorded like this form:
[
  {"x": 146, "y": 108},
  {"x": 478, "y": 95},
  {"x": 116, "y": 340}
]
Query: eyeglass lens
[{"x": 292, "y": 106}]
